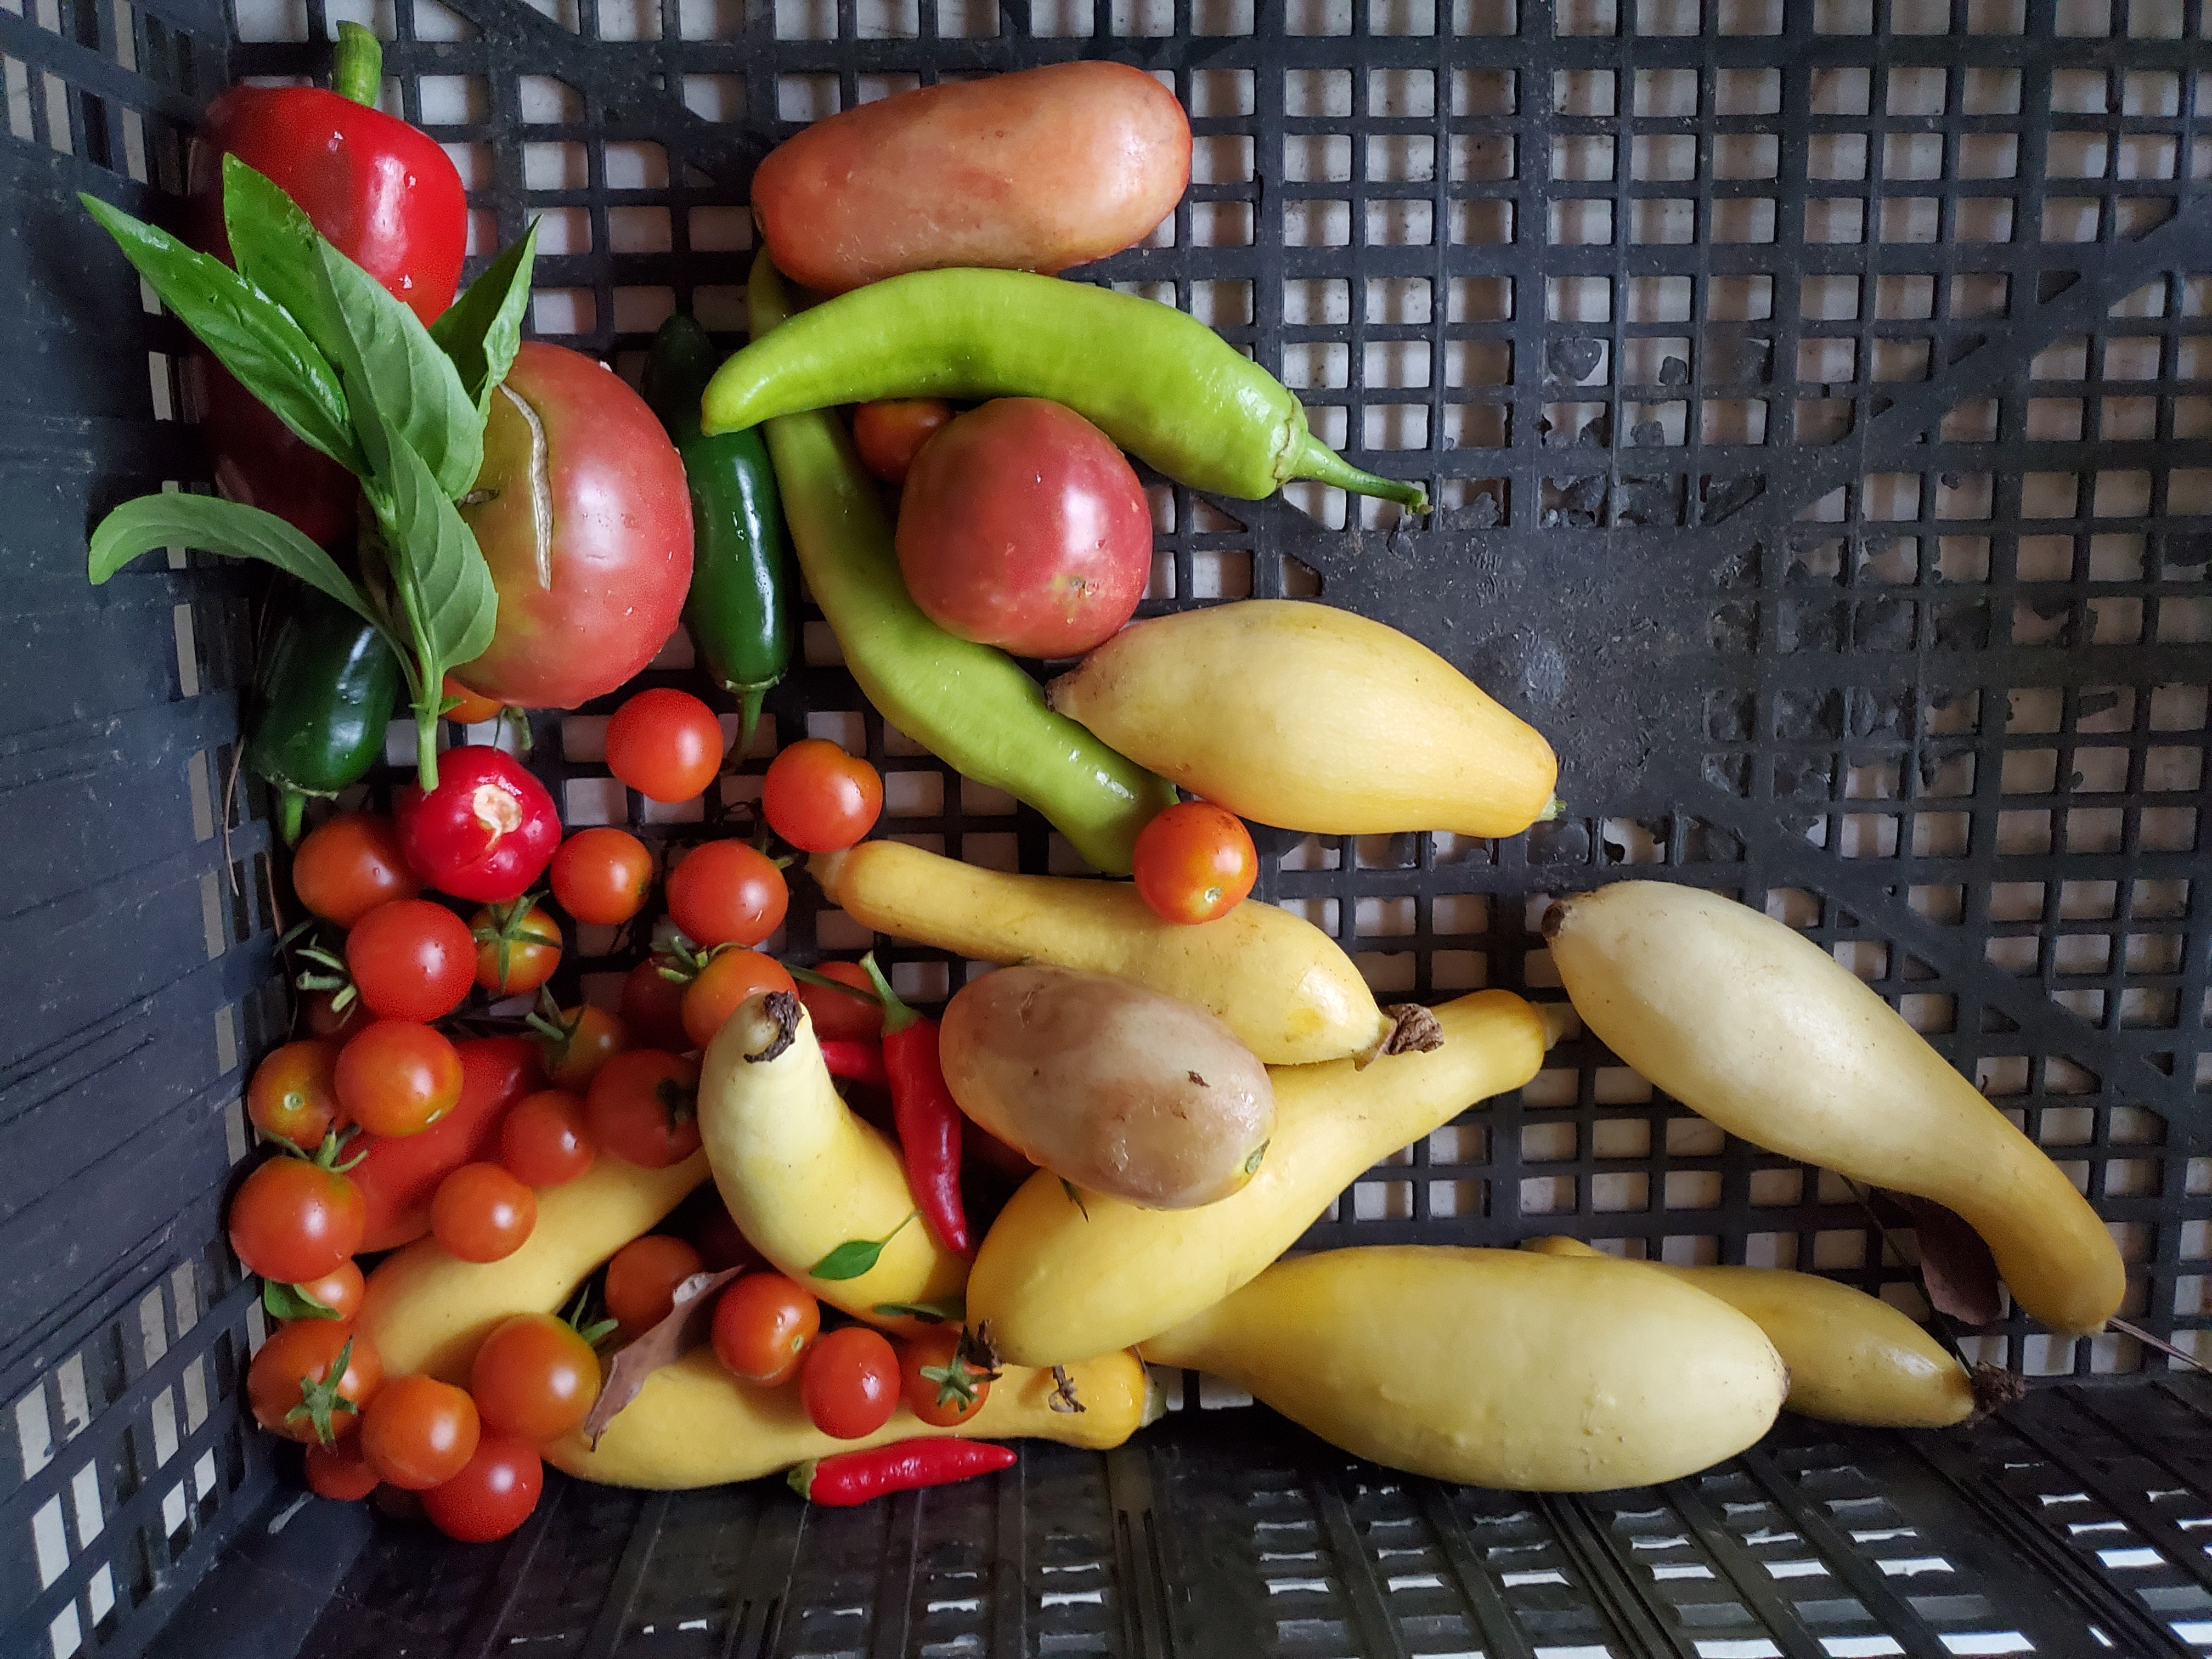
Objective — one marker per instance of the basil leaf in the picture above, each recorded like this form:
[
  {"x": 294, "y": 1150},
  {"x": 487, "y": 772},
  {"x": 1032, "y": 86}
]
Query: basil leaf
[
  {"x": 444, "y": 585},
  {"x": 254, "y": 338},
  {"x": 856, "y": 1256},
  {"x": 395, "y": 375},
  {"x": 930, "y": 1313},
  {"x": 230, "y": 528},
  {"x": 272, "y": 242},
  {"x": 292, "y": 1301},
  {"x": 483, "y": 329}
]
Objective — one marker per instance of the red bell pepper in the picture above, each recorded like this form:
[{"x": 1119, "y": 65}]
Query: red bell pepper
[
  {"x": 485, "y": 833},
  {"x": 388, "y": 198},
  {"x": 854, "y": 1477}
]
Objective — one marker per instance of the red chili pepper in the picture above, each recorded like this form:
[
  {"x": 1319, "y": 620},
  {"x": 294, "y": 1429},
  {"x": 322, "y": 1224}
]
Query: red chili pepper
[
  {"x": 385, "y": 193},
  {"x": 849, "y": 1478},
  {"x": 927, "y": 1116},
  {"x": 856, "y": 1062},
  {"x": 486, "y": 832}
]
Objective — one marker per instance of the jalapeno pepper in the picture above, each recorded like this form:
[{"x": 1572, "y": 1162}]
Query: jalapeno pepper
[
  {"x": 739, "y": 612},
  {"x": 968, "y": 704},
  {"x": 323, "y": 693},
  {"x": 1160, "y": 384}
]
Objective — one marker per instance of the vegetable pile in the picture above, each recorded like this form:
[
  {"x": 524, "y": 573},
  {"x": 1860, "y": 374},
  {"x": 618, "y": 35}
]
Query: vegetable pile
[{"x": 754, "y": 1216}]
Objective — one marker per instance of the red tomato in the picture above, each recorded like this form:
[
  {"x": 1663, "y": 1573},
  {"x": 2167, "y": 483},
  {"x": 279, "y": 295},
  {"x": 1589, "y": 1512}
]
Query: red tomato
[
  {"x": 584, "y": 1038},
  {"x": 602, "y": 875},
  {"x": 722, "y": 1242},
  {"x": 726, "y": 893},
  {"x": 1023, "y": 527},
  {"x": 891, "y": 432},
  {"x": 534, "y": 1377},
  {"x": 849, "y": 1381},
  {"x": 349, "y": 865},
  {"x": 581, "y": 614},
  {"x": 838, "y": 1016},
  {"x": 728, "y": 979},
  {"x": 294, "y": 1221},
  {"x": 820, "y": 799},
  {"x": 545, "y": 1139},
  {"x": 643, "y": 1108},
  {"x": 292, "y": 1373},
  {"x": 763, "y": 1325},
  {"x": 942, "y": 1386},
  {"x": 294, "y": 1095},
  {"x": 517, "y": 946},
  {"x": 470, "y": 708},
  {"x": 419, "y": 1433},
  {"x": 340, "y": 1471},
  {"x": 643, "y": 1278},
  {"x": 399, "y": 1177},
  {"x": 339, "y": 1290},
  {"x": 411, "y": 959},
  {"x": 493, "y": 1494},
  {"x": 664, "y": 744},
  {"x": 482, "y": 1213},
  {"x": 652, "y": 1006},
  {"x": 1195, "y": 862},
  {"x": 399, "y": 1078},
  {"x": 486, "y": 832}
]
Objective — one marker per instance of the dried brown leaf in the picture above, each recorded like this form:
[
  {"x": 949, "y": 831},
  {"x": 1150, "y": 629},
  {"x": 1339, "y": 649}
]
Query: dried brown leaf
[
  {"x": 1956, "y": 1267},
  {"x": 683, "y": 1329}
]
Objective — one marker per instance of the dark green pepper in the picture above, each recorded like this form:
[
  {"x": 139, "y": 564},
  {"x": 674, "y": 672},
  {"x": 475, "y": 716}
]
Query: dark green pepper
[
  {"x": 322, "y": 695},
  {"x": 738, "y": 613}
]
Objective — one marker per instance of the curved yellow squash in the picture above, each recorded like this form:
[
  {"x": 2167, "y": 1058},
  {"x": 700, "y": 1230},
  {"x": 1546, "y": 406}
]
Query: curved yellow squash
[{"x": 1501, "y": 1368}]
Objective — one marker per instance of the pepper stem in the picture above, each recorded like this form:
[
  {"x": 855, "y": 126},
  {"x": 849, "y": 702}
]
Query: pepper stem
[
  {"x": 750, "y": 699},
  {"x": 896, "y": 1015},
  {"x": 357, "y": 65},
  {"x": 1316, "y": 459},
  {"x": 295, "y": 809}
]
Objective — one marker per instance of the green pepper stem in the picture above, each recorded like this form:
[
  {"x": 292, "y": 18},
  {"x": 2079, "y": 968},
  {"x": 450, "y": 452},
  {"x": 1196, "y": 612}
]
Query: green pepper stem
[
  {"x": 357, "y": 65},
  {"x": 750, "y": 699},
  {"x": 896, "y": 1015},
  {"x": 1316, "y": 459},
  {"x": 294, "y": 808}
]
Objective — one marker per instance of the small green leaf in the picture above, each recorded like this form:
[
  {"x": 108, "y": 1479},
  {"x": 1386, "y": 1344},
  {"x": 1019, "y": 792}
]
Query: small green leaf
[
  {"x": 230, "y": 528},
  {"x": 272, "y": 242},
  {"x": 263, "y": 344},
  {"x": 292, "y": 1301},
  {"x": 856, "y": 1256},
  {"x": 930, "y": 1313},
  {"x": 482, "y": 329},
  {"x": 1074, "y": 1197},
  {"x": 444, "y": 584}
]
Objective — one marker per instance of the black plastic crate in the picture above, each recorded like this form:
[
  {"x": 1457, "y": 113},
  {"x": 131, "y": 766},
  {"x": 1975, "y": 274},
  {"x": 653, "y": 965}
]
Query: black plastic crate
[{"x": 1817, "y": 393}]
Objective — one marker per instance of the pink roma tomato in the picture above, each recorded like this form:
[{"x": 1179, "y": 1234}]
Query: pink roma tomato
[
  {"x": 581, "y": 510},
  {"x": 1022, "y": 527}
]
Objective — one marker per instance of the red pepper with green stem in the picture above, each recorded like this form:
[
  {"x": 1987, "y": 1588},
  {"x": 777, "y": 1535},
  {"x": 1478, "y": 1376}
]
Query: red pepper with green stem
[{"x": 850, "y": 1477}]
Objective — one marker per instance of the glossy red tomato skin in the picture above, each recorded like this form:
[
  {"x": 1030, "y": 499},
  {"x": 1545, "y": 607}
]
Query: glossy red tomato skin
[
  {"x": 642, "y": 1107},
  {"x": 419, "y": 1433},
  {"x": 726, "y": 893},
  {"x": 652, "y": 1007},
  {"x": 340, "y": 1290},
  {"x": 533, "y": 1377},
  {"x": 602, "y": 875},
  {"x": 643, "y": 1277},
  {"x": 1195, "y": 862},
  {"x": 723, "y": 984},
  {"x": 891, "y": 432},
  {"x": 398, "y": 1176},
  {"x": 411, "y": 959},
  {"x": 836, "y": 1015},
  {"x": 347, "y": 865},
  {"x": 309, "y": 1348},
  {"x": 294, "y": 1221},
  {"x": 545, "y": 1139},
  {"x": 399, "y": 1078},
  {"x": 620, "y": 556},
  {"x": 763, "y": 1325},
  {"x": 486, "y": 832},
  {"x": 294, "y": 1093},
  {"x": 1023, "y": 527},
  {"x": 340, "y": 1472},
  {"x": 849, "y": 1381},
  {"x": 664, "y": 744},
  {"x": 483, "y": 1213},
  {"x": 820, "y": 799},
  {"x": 494, "y": 1494}
]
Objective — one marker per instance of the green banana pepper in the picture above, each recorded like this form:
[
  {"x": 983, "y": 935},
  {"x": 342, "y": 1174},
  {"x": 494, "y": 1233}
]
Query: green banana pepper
[
  {"x": 969, "y": 705},
  {"x": 324, "y": 692},
  {"x": 738, "y": 612}
]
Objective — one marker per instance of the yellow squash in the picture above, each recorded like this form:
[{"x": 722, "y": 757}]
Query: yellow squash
[
  {"x": 1852, "y": 1358},
  {"x": 695, "y": 1424},
  {"x": 1751, "y": 1025},
  {"x": 1500, "y": 1368},
  {"x": 1063, "y": 1276},
  {"x": 426, "y": 1309},
  {"x": 1311, "y": 718},
  {"x": 801, "y": 1174},
  {"x": 1283, "y": 986}
]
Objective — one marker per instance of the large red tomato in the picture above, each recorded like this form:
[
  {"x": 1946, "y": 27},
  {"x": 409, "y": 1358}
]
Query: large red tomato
[
  {"x": 582, "y": 512},
  {"x": 398, "y": 1176}
]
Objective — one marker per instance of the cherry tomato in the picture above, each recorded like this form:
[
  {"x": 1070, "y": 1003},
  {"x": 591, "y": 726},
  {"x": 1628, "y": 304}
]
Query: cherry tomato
[
  {"x": 763, "y": 1325},
  {"x": 854, "y": 1020},
  {"x": 652, "y": 1006},
  {"x": 726, "y": 981},
  {"x": 292, "y": 1373},
  {"x": 470, "y": 708},
  {"x": 545, "y": 1139},
  {"x": 485, "y": 833},
  {"x": 411, "y": 959},
  {"x": 849, "y": 1381},
  {"x": 294, "y": 1096},
  {"x": 587, "y": 1036},
  {"x": 517, "y": 946},
  {"x": 398, "y": 1078},
  {"x": 324, "y": 1021},
  {"x": 493, "y": 1494},
  {"x": 340, "y": 1471},
  {"x": 602, "y": 875},
  {"x": 942, "y": 1386},
  {"x": 339, "y": 1290},
  {"x": 399, "y": 1178},
  {"x": 891, "y": 432},
  {"x": 643, "y": 1278},
  {"x": 482, "y": 1213},
  {"x": 1195, "y": 862},
  {"x": 726, "y": 893},
  {"x": 534, "y": 1377},
  {"x": 349, "y": 865},
  {"x": 820, "y": 799},
  {"x": 419, "y": 1433},
  {"x": 664, "y": 744},
  {"x": 643, "y": 1107},
  {"x": 294, "y": 1220}
]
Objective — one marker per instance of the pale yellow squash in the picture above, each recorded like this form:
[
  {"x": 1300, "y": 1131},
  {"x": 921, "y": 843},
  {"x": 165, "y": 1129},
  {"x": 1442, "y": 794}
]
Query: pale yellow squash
[{"x": 1500, "y": 1368}]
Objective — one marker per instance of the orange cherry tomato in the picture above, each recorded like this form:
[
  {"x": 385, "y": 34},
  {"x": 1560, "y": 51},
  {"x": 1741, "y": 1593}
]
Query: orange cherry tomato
[
  {"x": 545, "y": 1139},
  {"x": 726, "y": 981},
  {"x": 349, "y": 865},
  {"x": 763, "y": 1325},
  {"x": 482, "y": 1213},
  {"x": 419, "y": 1433},
  {"x": 664, "y": 744},
  {"x": 470, "y": 708},
  {"x": 820, "y": 799},
  {"x": 294, "y": 1096},
  {"x": 602, "y": 875},
  {"x": 891, "y": 432},
  {"x": 339, "y": 1290},
  {"x": 726, "y": 893},
  {"x": 942, "y": 1386},
  {"x": 340, "y": 1471},
  {"x": 1195, "y": 862},
  {"x": 399, "y": 1078},
  {"x": 641, "y": 1280}
]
